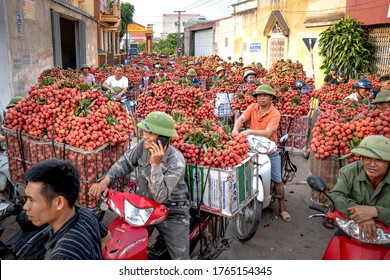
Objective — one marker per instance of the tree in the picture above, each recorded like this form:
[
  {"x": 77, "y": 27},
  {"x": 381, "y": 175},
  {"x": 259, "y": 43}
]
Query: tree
[
  {"x": 346, "y": 45},
  {"x": 127, "y": 11},
  {"x": 167, "y": 45},
  {"x": 141, "y": 47}
]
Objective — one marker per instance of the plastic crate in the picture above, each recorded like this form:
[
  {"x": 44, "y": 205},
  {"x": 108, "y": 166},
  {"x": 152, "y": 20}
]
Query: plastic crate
[
  {"x": 222, "y": 104},
  {"x": 24, "y": 150},
  {"x": 223, "y": 110},
  {"x": 221, "y": 191},
  {"x": 298, "y": 132}
]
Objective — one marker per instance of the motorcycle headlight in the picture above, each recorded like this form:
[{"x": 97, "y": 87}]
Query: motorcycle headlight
[
  {"x": 115, "y": 208},
  {"x": 136, "y": 216},
  {"x": 352, "y": 229}
]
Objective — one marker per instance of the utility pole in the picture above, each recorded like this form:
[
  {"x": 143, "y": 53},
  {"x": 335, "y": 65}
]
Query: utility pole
[{"x": 178, "y": 53}]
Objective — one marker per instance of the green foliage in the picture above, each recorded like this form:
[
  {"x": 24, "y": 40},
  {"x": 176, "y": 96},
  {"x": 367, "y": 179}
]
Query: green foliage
[
  {"x": 141, "y": 47},
  {"x": 127, "y": 12},
  {"x": 347, "y": 45},
  {"x": 167, "y": 45}
]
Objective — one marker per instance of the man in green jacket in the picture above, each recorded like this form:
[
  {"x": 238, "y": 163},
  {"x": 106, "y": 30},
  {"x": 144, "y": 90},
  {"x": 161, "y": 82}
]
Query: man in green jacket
[{"x": 362, "y": 191}]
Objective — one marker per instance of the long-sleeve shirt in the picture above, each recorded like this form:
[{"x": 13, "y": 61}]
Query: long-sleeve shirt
[
  {"x": 164, "y": 183},
  {"x": 354, "y": 188}
]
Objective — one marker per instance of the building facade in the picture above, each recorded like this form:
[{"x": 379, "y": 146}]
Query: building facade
[
  {"x": 268, "y": 30},
  {"x": 40, "y": 34},
  {"x": 376, "y": 16},
  {"x": 171, "y": 21}
]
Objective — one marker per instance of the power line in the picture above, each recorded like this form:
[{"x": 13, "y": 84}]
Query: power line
[
  {"x": 195, "y": 4},
  {"x": 193, "y": 8},
  {"x": 208, "y": 6}
]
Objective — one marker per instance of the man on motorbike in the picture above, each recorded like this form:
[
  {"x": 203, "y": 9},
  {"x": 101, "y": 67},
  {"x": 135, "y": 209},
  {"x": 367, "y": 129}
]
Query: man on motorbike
[
  {"x": 249, "y": 77},
  {"x": 160, "y": 176},
  {"x": 52, "y": 190},
  {"x": 362, "y": 191},
  {"x": 117, "y": 81},
  {"x": 264, "y": 121}
]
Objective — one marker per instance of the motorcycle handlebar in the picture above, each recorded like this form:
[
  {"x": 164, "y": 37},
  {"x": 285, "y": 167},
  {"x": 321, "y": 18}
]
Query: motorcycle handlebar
[{"x": 318, "y": 208}]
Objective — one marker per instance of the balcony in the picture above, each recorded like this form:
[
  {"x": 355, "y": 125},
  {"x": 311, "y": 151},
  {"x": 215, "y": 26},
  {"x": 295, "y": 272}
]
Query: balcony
[
  {"x": 244, "y": 7},
  {"x": 114, "y": 16},
  {"x": 111, "y": 21}
]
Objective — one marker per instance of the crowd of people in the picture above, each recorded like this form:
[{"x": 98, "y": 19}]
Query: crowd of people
[{"x": 362, "y": 192}]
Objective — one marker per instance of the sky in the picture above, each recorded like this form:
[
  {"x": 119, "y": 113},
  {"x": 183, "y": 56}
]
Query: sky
[{"x": 151, "y": 11}]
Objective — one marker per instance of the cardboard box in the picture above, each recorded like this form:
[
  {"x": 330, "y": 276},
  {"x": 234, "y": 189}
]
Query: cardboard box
[{"x": 221, "y": 191}]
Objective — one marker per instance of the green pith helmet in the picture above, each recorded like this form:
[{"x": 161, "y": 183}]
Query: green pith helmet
[
  {"x": 84, "y": 66},
  {"x": 159, "y": 123},
  {"x": 374, "y": 146},
  {"x": 220, "y": 68},
  {"x": 191, "y": 72},
  {"x": 14, "y": 101},
  {"x": 383, "y": 96},
  {"x": 264, "y": 89},
  {"x": 191, "y": 63}
]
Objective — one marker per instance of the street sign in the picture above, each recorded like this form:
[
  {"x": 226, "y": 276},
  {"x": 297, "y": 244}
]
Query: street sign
[
  {"x": 309, "y": 41},
  {"x": 179, "y": 50},
  {"x": 254, "y": 47}
]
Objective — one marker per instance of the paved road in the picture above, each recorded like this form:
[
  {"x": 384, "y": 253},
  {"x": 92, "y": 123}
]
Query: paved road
[{"x": 301, "y": 239}]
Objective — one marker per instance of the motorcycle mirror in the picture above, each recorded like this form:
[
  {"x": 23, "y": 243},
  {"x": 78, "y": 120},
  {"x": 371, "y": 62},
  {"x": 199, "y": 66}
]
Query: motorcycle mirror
[
  {"x": 284, "y": 138},
  {"x": 316, "y": 183}
]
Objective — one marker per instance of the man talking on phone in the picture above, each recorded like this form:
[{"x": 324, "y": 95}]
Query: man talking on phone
[{"x": 160, "y": 176}]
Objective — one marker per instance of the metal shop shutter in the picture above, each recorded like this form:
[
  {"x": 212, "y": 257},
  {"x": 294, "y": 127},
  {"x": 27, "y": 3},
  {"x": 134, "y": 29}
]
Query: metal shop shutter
[{"x": 203, "y": 44}]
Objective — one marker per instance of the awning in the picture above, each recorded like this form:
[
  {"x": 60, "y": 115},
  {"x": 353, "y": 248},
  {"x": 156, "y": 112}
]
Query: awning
[{"x": 276, "y": 16}]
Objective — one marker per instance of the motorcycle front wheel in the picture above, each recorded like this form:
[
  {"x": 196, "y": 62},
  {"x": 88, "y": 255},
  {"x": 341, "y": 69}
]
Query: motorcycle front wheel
[{"x": 247, "y": 221}]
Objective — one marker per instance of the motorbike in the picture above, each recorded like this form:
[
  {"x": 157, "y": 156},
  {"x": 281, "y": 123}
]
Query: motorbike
[
  {"x": 247, "y": 220},
  {"x": 131, "y": 233},
  {"x": 351, "y": 245},
  {"x": 28, "y": 242}
]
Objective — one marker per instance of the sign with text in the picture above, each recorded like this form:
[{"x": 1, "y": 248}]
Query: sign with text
[{"x": 254, "y": 47}]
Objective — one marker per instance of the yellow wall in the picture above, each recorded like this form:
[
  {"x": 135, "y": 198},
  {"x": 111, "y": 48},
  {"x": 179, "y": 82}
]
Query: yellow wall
[
  {"x": 85, "y": 5},
  {"x": 249, "y": 28}
]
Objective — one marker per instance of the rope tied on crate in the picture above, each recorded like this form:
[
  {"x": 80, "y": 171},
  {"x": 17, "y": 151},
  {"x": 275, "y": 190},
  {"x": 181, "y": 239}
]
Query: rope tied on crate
[
  {"x": 199, "y": 200},
  {"x": 21, "y": 150},
  {"x": 52, "y": 136}
]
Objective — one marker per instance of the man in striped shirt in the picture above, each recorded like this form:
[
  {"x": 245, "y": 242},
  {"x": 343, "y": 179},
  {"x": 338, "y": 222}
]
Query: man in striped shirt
[{"x": 52, "y": 191}]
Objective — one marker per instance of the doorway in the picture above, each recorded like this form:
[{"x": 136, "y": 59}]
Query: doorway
[{"x": 68, "y": 43}]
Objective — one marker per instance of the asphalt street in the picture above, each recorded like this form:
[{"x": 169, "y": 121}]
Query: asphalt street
[{"x": 301, "y": 239}]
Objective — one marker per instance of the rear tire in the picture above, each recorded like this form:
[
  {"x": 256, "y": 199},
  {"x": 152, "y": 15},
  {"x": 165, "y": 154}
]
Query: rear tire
[{"x": 247, "y": 221}]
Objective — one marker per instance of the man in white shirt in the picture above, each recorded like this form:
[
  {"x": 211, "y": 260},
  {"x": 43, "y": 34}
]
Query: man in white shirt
[
  {"x": 363, "y": 90},
  {"x": 117, "y": 81}
]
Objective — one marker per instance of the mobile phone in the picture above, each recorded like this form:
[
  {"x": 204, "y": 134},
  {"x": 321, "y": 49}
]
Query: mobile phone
[{"x": 164, "y": 140}]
